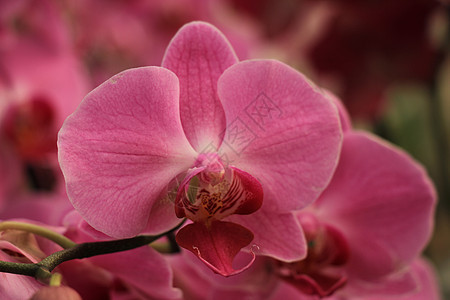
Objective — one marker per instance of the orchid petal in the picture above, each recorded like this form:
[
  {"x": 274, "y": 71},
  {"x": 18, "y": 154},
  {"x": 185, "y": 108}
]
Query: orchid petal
[
  {"x": 395, "y": 285},
  {"x": 216, "y": 244},
  {"x": 46, "y": 208},
  {"x": 287, "y": 291},
  {"x": 429, "y": 288},
  {"x": 13, "y": 286},
  {"x": 383, "y": 201},
  {"x": 198, "y": 55},
  {"x": 142, "y": 268},
  {"x": 281, "y": 130},
  {"x": 317, "y": 283},
  {"x": 344, "y": 116},
  {"x": 276, "y": 235},
  {"x": 426, "y": 286},
  {"x": 197, "y": 282},
  {"x": 190, "y": 275},
  {"x": 122, "y": 147},
  {"x": 252, "y": 193},
  {"x": 161, "y": 217}
]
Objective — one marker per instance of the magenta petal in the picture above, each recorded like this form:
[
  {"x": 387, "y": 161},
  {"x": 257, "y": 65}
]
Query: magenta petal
[
  {"x": 142, "y": 268},
  {"x": 276, "y": 235},
  {"x": 122, "y": 147},
  {"x": 198, "y": 55},
  {"x": 253, "y": 193},
  {"x": 429, "y": 287},
  {"x": 287, "y": 291},
  {"x": 383, "y": 201},
  {"x": 344, "y": 116},
  {"x": 13, "y": 286},
  {"x": 216, "y": 245},
  {"x": 395, "y": 286},
  {"x": 425, "y": 288},
  {"x": 318, "y": 283},
  {"x": 281, "y": 130},
  {"x": 161, "y": 217}
]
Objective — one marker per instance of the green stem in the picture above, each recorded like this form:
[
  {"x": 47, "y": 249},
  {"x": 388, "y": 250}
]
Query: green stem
[
  {"x": 42, "y": 270},
  {"x": 38, "y": 230},
  {"x": 167, "y": 247}
]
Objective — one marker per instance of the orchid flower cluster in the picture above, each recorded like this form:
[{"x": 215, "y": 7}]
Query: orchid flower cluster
[{"x": 237, "y": 179}]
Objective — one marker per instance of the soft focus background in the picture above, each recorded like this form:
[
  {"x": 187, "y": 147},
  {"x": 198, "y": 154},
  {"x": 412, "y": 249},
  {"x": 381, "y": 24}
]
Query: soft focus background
[{"x": 388, "y": 60}]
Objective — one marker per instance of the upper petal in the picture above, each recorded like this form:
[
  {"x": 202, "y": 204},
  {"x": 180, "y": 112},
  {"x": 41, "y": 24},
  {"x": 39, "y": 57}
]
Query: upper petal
[
  {"x": 281, "y": 130},
  {"x": 122, "y": 147},
  {"x": 198, "y": 55},
  {"x": 382, "y": 201}
]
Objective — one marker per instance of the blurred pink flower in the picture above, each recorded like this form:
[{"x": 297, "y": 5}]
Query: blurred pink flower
[
  {"x": 206, "y": 136},
  {"x": 34, "y": 103},
  {"x": 136, "y": 33},
  {"x": 41, "y": 83},
  {"x": 366, "y": 48},
  {"x": 37, "y": 21}
]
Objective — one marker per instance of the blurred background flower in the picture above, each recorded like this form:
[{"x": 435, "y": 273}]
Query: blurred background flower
[{"x": 389, "y": 62}]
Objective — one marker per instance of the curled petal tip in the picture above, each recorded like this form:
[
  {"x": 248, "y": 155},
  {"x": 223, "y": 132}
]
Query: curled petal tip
[{"x": 216, "y": 244}]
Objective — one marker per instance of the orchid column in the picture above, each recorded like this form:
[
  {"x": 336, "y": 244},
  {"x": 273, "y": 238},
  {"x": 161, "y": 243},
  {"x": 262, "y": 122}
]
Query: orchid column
[{"x": 233, "y": 146}]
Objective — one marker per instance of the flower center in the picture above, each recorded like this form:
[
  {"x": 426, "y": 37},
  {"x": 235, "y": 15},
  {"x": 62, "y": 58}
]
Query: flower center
[
  {"x": 321, "y": 273},
  {"x": 211, "y": 191}
]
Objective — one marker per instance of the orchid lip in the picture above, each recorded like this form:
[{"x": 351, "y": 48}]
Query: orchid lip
[
  {"x": 216, "y": 244},
  {"x": 221, "y": 272},
  {"x": 213, "y": 192}
]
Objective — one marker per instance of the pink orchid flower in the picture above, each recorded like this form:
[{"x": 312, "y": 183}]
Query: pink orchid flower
[
  {"x": 223, "y": 143},
  {"x": 364, "y": 233}
]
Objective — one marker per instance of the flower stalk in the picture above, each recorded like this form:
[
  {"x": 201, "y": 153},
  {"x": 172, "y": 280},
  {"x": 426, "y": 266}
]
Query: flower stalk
[
  {"x": 38, "y": 230},
  {"x": 42, "y": 270}
]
